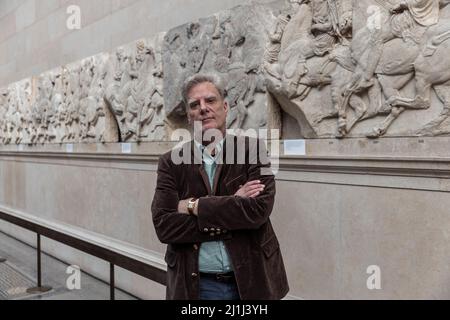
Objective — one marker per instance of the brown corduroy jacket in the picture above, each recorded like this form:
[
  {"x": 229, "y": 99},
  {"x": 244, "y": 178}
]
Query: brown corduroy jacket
[{"x": 242, "y": 223}]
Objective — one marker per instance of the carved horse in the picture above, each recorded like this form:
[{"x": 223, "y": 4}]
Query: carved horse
[
  {"x": 394, "y": 71},
  {"x": 341, "y": 73},
  {"x": 432, "y": 70}
]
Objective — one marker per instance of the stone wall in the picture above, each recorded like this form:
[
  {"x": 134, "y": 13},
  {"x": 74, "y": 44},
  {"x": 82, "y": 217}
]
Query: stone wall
[
  {"x": 34, "y": 37},
  {"x": 332, "y": 67},
  {"x": 345, "y": 206},
  {"x": 131, "y": 92}
]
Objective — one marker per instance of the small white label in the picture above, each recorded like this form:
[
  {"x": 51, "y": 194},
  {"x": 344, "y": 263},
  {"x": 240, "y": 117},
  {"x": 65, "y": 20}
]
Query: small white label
[
  {"x": 294, "y": 147},
  {"x": 20, "y": 147},
  {"x": 69, "y": 147},
  {"x": 126, "y": 147}
]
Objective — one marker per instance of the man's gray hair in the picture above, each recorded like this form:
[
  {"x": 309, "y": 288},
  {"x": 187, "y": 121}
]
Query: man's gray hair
[{"x": 198, "y": 78}]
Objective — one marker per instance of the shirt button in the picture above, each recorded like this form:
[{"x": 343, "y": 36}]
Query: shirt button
[
  {"x": 194, "y": 275},
  {"x": 195, "y": 247}
]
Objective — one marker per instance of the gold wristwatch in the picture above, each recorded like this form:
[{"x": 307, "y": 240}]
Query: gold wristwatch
[{"x": 191, "y": 205}]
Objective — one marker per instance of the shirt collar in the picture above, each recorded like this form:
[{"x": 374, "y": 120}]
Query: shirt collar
[{"x": 206, "y": 154}]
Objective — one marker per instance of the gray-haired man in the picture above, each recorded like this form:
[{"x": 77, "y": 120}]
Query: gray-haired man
[{"x": 214, "y": 216}]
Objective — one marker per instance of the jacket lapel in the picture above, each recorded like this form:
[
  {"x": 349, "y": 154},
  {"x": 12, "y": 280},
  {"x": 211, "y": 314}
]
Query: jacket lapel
[
  {"x": 216, "y": 177},
  {"x": 205, "y": 179},
  {"x": 196, "y": 160},
  {"x": 221, "y": 164}
]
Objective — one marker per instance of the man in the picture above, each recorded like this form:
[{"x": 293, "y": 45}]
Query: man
[{"x": 214, "y": 216}]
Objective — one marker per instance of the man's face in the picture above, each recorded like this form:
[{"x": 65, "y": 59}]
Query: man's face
[{"x": 206, "y": 105}]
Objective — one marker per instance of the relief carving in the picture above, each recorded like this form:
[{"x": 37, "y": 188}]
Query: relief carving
[
  {"x": 339, "y": 78},
  {"x": 232, "y": 44},
  {"x": 135, "y": 92},
  {"x": 340, "y": 68},
  {"x": 80, "y": 102}
]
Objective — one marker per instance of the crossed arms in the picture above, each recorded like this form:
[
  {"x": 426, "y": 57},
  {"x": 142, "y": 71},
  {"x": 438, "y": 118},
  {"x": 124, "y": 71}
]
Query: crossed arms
[{"x": 248, "y": 208}]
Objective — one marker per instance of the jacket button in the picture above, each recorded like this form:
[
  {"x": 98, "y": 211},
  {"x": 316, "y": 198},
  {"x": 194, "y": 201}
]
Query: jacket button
[
  {"x": 218, "y": 231},
  {"x": 195, "y": 247},
  {"x": 224, "y": 231},
  {"x": 211, "y": 229},
  {"x": 194, "y": 275},
  {"x": 206, "y": 229},
  {"x": 212, "y": 234}
]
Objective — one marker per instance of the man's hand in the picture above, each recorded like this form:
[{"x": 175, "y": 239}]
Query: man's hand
[
  {"x": 183, "y": 206},
  {"x": 251, "y": 189}
]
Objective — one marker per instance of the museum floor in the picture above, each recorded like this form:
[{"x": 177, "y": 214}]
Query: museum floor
[{"x": 18, "y": 272}]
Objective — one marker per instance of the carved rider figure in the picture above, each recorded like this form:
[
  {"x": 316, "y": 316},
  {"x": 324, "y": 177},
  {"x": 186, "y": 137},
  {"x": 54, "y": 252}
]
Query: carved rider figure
[
  {"x": 409, "y": 19},
  {"x": 319, "y": 26}
]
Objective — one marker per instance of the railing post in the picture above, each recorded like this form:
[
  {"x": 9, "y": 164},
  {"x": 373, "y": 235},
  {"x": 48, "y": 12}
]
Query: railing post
[
  {"x": 39, "y": 264},
  {"x": 111, "y": 281},
  {"x": 39, "y": 288}
]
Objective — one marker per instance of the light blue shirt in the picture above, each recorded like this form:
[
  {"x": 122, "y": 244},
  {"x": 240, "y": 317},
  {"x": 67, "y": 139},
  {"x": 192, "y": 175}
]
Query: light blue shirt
[{"x": 213, "y": 256}]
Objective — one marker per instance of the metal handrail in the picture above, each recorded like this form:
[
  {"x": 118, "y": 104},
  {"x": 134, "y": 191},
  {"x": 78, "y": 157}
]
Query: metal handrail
[{"x": 114, "y": 258}]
